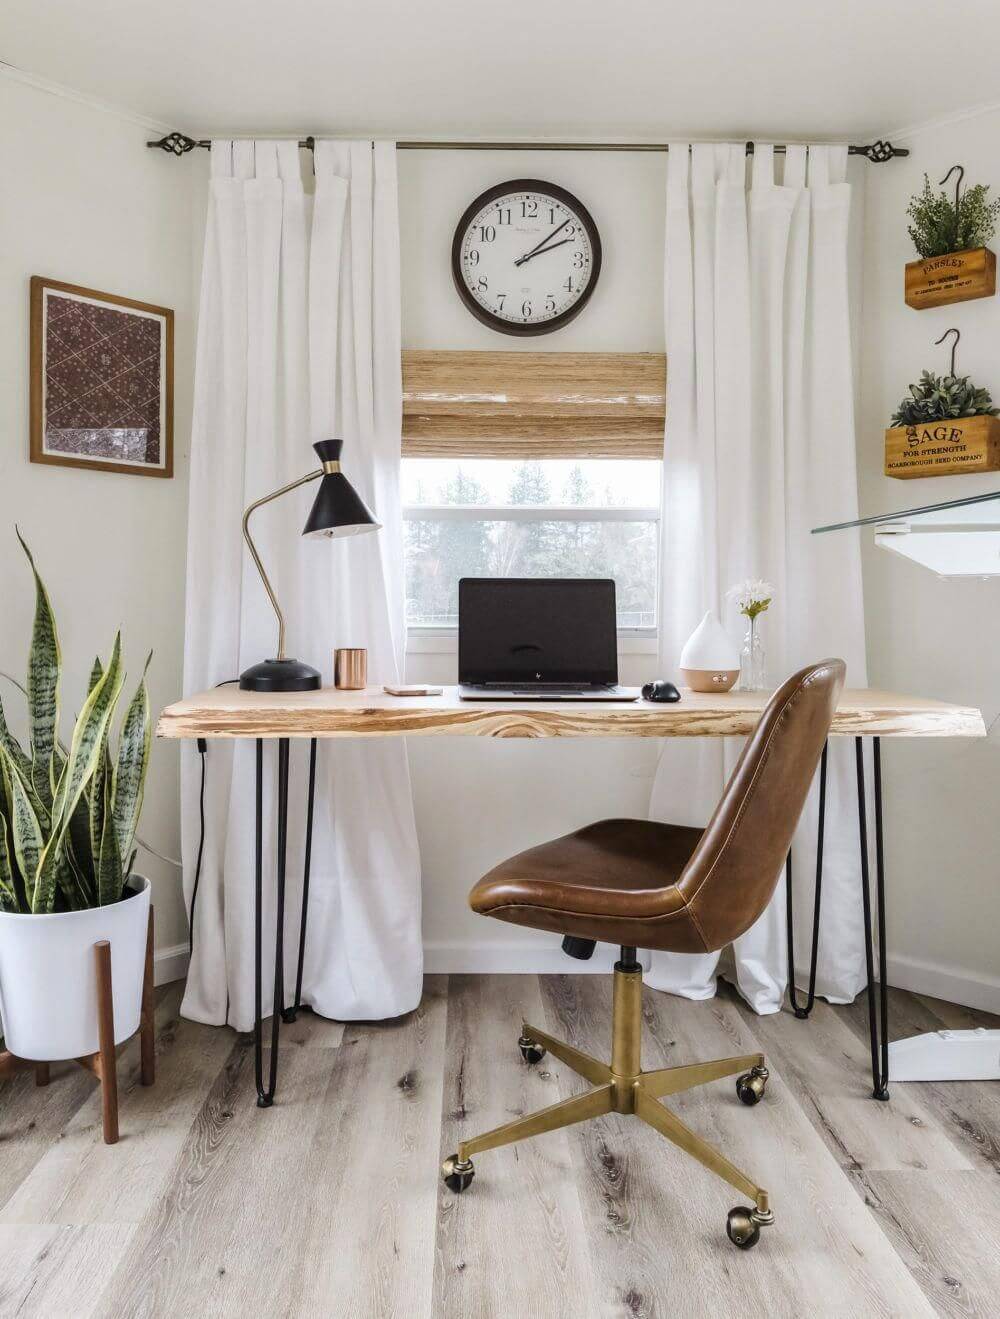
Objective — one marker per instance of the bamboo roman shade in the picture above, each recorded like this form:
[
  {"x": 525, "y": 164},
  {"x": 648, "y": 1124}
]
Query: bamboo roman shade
[{"x": 533, "y": 405}]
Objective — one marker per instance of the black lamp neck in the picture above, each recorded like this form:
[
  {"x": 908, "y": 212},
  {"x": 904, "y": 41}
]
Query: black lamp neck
[{"x": 328, "y": 451}]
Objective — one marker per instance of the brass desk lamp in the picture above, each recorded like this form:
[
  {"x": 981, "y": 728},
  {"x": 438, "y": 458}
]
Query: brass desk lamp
[{"x": 338, "y": 510}]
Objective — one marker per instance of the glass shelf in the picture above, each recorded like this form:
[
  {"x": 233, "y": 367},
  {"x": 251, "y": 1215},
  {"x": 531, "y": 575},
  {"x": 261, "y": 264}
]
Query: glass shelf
[{"x": 955, "y": 538}]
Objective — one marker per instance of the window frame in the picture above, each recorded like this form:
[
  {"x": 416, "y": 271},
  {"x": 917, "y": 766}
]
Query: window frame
[{"x": 428, "y": 639}]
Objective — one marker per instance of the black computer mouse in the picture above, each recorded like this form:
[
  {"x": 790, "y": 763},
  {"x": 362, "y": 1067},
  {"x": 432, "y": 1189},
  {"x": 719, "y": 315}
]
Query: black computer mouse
[{"x": 660, "y": 691}]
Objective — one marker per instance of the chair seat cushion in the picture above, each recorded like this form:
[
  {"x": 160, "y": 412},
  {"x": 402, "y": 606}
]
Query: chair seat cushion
[{"x": 614, "y": 881}]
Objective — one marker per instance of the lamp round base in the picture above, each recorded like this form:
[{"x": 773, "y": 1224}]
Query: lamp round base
[{"x": 280, "y": 675}]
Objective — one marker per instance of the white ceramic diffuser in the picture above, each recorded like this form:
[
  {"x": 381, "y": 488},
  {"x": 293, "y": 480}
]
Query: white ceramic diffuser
[{"x": 710, "y": 662}]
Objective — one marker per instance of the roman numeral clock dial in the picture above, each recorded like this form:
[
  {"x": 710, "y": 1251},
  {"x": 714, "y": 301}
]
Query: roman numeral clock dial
[{"x": 526, "y": 257}]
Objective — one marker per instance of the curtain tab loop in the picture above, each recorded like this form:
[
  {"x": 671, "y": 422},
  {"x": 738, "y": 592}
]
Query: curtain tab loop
[
  {"x": 762, "y": 169},
  {"x": 243, "y": 158},
  {"x": 266, "y": 160},
  {"x": 795, "y": 166},
  {"x": 678, "y": 173},
  {"x": 221, "y": 158}
]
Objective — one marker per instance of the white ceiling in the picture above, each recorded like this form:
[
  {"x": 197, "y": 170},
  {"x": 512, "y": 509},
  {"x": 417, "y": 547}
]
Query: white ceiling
[{"x": 529, "y": 68}]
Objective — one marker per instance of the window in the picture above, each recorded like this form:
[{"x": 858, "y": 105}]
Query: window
[
  {"x": 547, "y": 517},
  {"x": 531, "y": 465}
]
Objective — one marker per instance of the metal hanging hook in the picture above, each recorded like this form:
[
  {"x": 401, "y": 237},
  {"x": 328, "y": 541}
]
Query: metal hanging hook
[
  {"x": 958, "y": 191},
  {"x": 958, "y": 182},
  {"x": 957, "y": 333}
]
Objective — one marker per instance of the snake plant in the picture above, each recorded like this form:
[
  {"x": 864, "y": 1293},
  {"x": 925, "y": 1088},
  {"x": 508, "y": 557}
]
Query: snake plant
[{"x": 68, "y": 815}]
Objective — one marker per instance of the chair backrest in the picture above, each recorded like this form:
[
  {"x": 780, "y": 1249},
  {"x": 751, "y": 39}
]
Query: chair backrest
[{"x": 735, "y": 868}]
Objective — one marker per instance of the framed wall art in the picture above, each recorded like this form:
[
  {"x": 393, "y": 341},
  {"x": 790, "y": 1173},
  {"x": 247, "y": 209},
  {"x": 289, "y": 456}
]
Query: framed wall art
[{"x": 102, "y": 371}]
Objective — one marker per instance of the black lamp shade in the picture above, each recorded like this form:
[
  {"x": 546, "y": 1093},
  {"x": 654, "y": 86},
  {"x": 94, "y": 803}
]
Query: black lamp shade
[{"x": 338, "y": 509}]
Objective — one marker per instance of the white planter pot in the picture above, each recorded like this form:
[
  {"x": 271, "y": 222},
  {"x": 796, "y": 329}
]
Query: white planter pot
[{"x": 48, "y": 985}]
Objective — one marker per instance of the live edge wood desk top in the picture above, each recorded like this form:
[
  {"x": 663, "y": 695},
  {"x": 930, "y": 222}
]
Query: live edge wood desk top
[{"x": 229, "y": 712}]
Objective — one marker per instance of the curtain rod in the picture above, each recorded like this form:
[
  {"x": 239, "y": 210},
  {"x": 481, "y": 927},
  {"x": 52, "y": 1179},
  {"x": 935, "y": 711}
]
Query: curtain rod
[{"x": 179, "y": 144}]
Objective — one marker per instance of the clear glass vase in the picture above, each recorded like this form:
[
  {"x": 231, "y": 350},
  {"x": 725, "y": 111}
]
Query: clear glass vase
[{"x": 753, "y": 671}]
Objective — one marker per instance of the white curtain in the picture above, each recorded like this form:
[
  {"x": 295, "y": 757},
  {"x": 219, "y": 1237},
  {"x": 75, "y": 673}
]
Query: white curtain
[
  {"x": 299, "y": 340},
  {"x": 759, "y": 447}
]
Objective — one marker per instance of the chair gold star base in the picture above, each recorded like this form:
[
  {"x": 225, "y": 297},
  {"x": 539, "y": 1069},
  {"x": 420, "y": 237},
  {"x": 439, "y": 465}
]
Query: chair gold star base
[{"x": 623, "y": 1087}]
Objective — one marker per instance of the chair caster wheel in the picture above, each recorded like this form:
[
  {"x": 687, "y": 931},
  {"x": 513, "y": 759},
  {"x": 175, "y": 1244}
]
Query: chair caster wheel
[
  {"x": 743, "y": 1225},
  {"x": 530, "y": 1051},
  {"x": 741, "y": 1229},
  {"x": 751, "y": 1085},
  {"x": 456, "y": 1174}
]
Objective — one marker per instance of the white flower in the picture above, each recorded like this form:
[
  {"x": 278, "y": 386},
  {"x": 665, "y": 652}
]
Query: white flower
[{"x": 752, "y": 596}]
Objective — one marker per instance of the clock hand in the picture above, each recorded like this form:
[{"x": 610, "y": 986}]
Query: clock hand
[
  {"x": 546, "y": 239},
  {"x": 540, "y": 251}
]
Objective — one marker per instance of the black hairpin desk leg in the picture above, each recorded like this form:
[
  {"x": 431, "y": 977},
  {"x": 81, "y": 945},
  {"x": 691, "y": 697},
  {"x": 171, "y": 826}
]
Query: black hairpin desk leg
[
  {"x": 878, "y": 1020},
  {"x": 800, "y": 1010},
  {"x": 291, "y": 1013},
  {"x": 265, "y": 1097}
]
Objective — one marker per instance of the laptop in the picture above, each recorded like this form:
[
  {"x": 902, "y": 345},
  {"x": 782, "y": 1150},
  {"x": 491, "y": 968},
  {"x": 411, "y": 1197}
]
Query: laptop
[{"x": 538, "y": 638}]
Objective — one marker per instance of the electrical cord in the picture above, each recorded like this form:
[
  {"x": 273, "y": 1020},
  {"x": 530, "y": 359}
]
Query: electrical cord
[
  {"x": 203, "y": 753},
  {"x": 202, "y": 744}
]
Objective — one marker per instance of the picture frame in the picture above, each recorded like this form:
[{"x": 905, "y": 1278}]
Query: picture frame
[{"x": 102, "y": 380}]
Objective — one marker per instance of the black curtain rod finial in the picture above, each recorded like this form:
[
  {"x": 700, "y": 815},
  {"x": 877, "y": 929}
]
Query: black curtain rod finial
[
  {"x": 176, "y": 144},
  {"x": 878, "y": 152}
]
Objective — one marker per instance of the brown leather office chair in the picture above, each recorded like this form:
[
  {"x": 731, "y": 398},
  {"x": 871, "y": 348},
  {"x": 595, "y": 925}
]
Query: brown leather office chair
[{"x": 641, "y": 884}]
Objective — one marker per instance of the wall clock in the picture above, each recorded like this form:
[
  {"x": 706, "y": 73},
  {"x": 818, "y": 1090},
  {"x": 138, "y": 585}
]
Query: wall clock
[{"x": 526, "y": 257}]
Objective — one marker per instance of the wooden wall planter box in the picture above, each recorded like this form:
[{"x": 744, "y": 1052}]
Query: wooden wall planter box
[
  {"x": 943, "y": 448},
  {"x": 954, "y": 277}
]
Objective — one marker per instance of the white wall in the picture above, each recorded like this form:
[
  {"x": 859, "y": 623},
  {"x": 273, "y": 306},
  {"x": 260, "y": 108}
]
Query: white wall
[
  {"x": 83, "y": 201},
  {"x": 479, "y": 801},
  {"x": 927, "y": 636}
]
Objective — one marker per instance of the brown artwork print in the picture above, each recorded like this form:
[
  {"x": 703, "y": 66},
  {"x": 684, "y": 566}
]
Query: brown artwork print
[{"x": 103, "y": 368}]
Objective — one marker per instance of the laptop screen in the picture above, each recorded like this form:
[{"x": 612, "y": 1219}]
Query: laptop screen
[{"x": 537, "y": 629}]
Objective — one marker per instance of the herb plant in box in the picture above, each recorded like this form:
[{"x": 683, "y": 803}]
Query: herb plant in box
[
  {"x": 951, "y": 238},
  {"x": 945, "y": 425},
  {"x": 68, "y": 817}
]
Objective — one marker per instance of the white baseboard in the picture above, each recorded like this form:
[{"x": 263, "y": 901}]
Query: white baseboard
[
  {"x": 170, "y": 964},
  {"x": 449, "y": 958},
  {"x": 951, "y": 983},
  {"x": 443, "y": 957}
]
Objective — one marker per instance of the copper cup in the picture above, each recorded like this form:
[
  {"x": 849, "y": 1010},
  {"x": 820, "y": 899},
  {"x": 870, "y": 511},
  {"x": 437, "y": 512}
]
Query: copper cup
[{"x": 350, "y": 669}]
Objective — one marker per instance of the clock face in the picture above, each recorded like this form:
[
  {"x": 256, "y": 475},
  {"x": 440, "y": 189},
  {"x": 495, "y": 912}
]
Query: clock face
[{"x": 526, "y": 257}]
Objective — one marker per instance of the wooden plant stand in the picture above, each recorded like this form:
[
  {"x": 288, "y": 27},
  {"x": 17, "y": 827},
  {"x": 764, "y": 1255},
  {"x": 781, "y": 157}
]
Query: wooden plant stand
[{"x": 102, "y": 1063}]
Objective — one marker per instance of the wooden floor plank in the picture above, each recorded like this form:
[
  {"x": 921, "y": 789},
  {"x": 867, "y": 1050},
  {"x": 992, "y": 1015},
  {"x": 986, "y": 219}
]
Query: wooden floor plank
[
  {"x": 80, "y": 1179},
  {"x": 630, "y": 1245},
  {"x": 954, "y": 1257},
  {"x": 329, "y": 1203},
  {"x": 831, "y": 1068},
  {"x": 825, "y": 1243},
  {"x": 311, "y": 1031},
  {"x": 515, "y": 1242},
  {"x": 33, "y": 1118},
  {"x": 968, "y": 1110},
  {"x": 955, "y": 1016},
  {"x": 366, "y": 1209},
  {"x": 223, "y": 1237},
  {"x": 50, "y": 1271}
]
